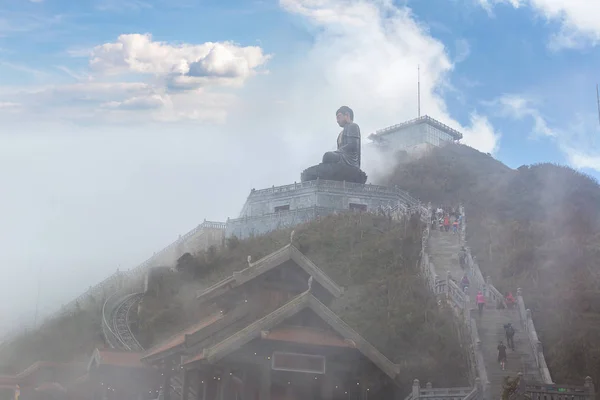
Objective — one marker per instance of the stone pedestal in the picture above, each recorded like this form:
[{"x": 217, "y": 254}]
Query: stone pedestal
[{"x": 334, "y": 172}]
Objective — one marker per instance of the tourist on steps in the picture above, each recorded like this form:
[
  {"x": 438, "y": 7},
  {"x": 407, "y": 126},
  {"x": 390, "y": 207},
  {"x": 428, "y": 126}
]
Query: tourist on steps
[
  {"x": 462, "y": 257},
  {"x": 510, "y": 300},
  {"x": 480, "y": 302},
  {"x": 509, "y": 330},
  {"x": 502, "y": 355},
  {"x": 464, "y": 282}
]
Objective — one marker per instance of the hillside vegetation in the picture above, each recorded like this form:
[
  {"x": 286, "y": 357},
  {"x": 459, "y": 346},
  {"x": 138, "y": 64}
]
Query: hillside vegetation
[
  {"x": 68, "y": 338},
  {"x": 386, "y": 301},
  {"x": 538, "y": 228}
]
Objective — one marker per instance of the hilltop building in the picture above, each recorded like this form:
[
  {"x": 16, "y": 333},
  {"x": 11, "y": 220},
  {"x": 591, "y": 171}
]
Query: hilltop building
[
  {"x": 415, "y": 136},
  {"x": 286, "y": 206}
]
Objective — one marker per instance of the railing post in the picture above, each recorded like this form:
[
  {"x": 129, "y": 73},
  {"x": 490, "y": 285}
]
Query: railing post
[
  {"x": 589, "y": 384},
  {"x": 488, "y": 284},
  {"x": 479, "y": 388},
  {"x": 487, "y": 391},
  {"x": 416, "y": 389},
  {"x": 448, "y": 279}
]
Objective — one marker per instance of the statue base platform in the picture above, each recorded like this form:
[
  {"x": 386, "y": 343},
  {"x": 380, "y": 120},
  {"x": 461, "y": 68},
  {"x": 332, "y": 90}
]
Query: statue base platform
[{"x": 334, "y": 172}]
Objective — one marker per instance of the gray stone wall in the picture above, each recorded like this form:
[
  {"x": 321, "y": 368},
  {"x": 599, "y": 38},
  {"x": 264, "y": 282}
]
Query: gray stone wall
[
  {"x": 308, "y": 200},
  {"x": 252, "y": 226},
  {"x": 320, "y": 193}
]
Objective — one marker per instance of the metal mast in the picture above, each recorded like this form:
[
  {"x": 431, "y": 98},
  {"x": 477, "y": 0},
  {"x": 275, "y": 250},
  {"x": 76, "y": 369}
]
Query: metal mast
[{"x": 419, "y": 89}]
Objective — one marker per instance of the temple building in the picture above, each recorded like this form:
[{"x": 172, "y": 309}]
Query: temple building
[
  {"x": 415, "y": 135},
  {"x": 270, "y": 333}
]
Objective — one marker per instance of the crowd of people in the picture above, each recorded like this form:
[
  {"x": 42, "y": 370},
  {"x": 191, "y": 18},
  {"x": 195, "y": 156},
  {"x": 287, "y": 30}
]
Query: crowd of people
[{"x": 446, "y": 219}]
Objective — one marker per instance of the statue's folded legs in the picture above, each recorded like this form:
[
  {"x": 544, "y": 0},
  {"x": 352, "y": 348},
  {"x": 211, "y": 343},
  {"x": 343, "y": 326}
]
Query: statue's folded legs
[{"x": 332, "y": 157}]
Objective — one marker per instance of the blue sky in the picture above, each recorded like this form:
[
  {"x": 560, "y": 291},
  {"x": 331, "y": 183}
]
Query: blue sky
[{"x": 124, "y": 123}]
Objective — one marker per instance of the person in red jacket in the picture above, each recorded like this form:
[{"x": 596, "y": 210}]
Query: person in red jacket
[
  {"x": 480, "y": 302},
  {"x": 510, "y": 300}
]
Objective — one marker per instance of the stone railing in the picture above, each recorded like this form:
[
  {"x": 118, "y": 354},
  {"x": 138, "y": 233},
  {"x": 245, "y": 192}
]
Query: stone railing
[
  {"x": 108, "y": 286},
  {"x": 477, "y": 358},
  {"x": 458, "y": 298},
  {"x": 430, "y": 393},
  {"x": 550, "y": 391},
  {"x": 534, "y": 341},
  {"x": 477, "y": 281},
  {"x": 396, "y": 192},
  {"x": 435, "y": 284}
]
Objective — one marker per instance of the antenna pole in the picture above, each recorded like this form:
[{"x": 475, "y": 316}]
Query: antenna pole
[
  {"x": 598, "y": 100},
  {"x": 419, "y": 89}
]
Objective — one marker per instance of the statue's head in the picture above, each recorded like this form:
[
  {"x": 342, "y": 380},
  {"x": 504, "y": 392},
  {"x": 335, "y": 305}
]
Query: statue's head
[{"x": 344, "y": 115}]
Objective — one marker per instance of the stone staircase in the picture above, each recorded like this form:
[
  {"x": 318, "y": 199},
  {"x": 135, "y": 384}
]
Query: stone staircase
[
  {"x": 443, "y": 248},
  {"x": 490, "y": 327}
]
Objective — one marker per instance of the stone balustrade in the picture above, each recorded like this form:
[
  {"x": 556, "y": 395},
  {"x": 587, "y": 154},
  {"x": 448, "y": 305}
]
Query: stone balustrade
[
  {"x": 478, "y": 360},
  {"x": 551, "y": 391},
  {"x": 430, "y": 393},
  {"x": 535, "y": 343}
]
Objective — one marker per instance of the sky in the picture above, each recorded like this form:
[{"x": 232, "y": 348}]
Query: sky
[{"x": 124, "y": 123}]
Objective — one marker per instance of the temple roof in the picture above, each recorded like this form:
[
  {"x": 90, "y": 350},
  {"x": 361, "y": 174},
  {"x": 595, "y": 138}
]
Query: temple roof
[
  {"x": 267, "y": 263},
  {"x": 177, "y": 341},
  {"x": 303, "y": 301}
]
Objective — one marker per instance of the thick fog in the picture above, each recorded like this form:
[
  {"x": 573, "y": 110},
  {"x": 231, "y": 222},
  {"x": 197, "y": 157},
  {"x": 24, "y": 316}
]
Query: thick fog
[{"x": 92, "y": 183}]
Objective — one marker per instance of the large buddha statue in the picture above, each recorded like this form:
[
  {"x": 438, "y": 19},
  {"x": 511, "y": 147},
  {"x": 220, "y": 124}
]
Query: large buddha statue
[
  {"x": 348, "y": 141},
  {"x": 342, "y": 164}
]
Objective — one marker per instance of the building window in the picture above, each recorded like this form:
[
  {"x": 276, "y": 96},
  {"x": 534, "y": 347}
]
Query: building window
[
  {"x": 282, "y": 208},
  {"x": 358, "y": 207}
]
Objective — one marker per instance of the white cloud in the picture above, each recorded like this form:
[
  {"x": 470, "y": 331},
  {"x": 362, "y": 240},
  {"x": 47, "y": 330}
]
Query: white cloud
[
  {"x": 578, "y": 141},
  {"x": 579, "y": 19},
  {"x": 481, "y": 134},
  {"x": 462, "y": 50},
  {"x": 147, "y": 79},
  {"x": 136, "y": 53},
  {"x": 520, "y": 107},
  {"x": 582, "y": 159},
  {"x": 140, "y": 102}
]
